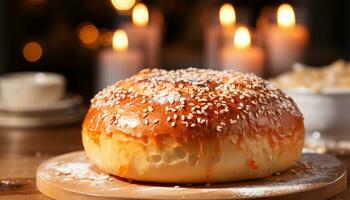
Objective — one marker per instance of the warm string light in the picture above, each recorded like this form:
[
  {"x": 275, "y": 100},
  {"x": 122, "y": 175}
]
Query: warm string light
[
  {"x": 227, "y": 15},
  {"x": 123, "y": 4},
  {"x": 140, "y": 16},
  {"x": 285, "y": 16},
  {"x": 32, "y": 51},
  {"x": 241, "y": 39},
  {"x": 120, "y": 41}
]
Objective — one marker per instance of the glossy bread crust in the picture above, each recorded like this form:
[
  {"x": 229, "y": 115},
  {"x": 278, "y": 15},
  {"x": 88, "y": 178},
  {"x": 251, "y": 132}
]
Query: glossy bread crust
[{"x": 193, "y": 126}]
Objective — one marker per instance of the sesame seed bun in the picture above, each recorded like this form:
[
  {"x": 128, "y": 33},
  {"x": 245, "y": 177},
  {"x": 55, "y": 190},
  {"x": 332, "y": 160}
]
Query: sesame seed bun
[{"x": 192, "y": 126}]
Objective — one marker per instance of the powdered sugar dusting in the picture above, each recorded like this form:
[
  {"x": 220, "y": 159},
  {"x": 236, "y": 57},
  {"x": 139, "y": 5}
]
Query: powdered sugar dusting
[
  {"x": 314, "y": 171},
  {"x": 167, "y": 97},
  {"x": 80, "y": 171}
]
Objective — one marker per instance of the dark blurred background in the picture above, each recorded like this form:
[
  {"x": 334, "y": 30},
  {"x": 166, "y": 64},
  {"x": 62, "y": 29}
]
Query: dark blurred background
[{"x": 54, "y": 26}]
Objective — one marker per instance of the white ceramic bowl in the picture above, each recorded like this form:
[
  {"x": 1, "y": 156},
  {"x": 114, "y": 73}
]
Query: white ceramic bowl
[
  {"x": 31, "y": 88},
  {"x": 327, "y": 113}
]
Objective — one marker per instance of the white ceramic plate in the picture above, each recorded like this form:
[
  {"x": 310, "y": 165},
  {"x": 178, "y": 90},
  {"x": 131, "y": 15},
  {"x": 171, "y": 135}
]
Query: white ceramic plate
[
  {"x": 66, "y": 103},
  {"x": 47, "y": 120}
]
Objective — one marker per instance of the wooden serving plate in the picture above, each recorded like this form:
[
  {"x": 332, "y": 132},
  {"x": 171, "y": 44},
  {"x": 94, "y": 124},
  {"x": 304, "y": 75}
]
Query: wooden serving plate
[{"x": 72, "y": 176}]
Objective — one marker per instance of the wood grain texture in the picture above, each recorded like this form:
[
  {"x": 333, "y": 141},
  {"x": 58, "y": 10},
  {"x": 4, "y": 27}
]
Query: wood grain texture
[
  {"x": 72, "y": 176},
  {"x": 22, "y": 150}
]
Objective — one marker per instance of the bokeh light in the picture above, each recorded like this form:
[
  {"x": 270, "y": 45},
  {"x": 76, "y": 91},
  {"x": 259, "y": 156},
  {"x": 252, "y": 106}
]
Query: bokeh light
[
  {"x": 140, "y": 16},
  {"x": 32, "y": 51},
  {"x": 285, "y": 16},
  {"x": 123, "y": 4},
  {"x": 227, "y": 15},
  {"x": 106, "y": 38},
  {"x": 242, "y": 38},
  {"x": 120, "y": 40},
  {"x": 88, "y": 34}
]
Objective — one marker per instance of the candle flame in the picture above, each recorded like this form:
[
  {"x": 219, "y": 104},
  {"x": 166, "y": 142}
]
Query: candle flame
[
  {"x": 120, "y": 41},
  {"x": 32, "y": 51},
  {"x": 123, "y": 4},
  {"x": 227, "y": 15},
  {"x": 241, "y": 39},
  {"x": 285, "y": 16},
  {"x": 140, "y": 15}
]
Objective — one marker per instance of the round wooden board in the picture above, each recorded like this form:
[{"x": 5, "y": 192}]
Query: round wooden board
[{"x": 72, "y": 176}]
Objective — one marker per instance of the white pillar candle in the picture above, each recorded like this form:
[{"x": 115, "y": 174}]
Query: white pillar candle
[
  {"x": 144, "y": 35},
  {"x": 212, "y": 45},
  {"x": 242, "y": 56},
  {"x": 285, "y": 42},
  {"x": 119, "y": 62},
  {"x": 217, "y": 36}
]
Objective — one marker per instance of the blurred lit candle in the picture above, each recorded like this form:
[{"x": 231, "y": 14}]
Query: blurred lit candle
[
  {"x": 285, "y": 41},
  {"x": 242, "y": 56},
  {"x": 218, "y": 36},
  {"x": 118, "y": 62},
  {"x": 227, "y": 17},
  {"x": 144, "y": 35}
]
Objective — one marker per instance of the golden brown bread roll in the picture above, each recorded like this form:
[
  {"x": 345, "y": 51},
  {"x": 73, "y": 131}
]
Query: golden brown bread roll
[{"x": 192, "y": 126}]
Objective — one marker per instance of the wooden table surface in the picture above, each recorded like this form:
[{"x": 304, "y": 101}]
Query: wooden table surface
[{"x": 22, "y": 150}]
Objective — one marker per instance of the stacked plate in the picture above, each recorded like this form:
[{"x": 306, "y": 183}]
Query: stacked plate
[
  {"x": 31, "y": 99},
  {"x": 68, "y": 110}
]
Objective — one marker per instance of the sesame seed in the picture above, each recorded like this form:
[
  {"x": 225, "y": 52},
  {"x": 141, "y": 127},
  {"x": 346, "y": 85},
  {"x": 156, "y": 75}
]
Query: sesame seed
[
  {"x": 190, "y": 116},
  {"x": 232, "y": 121},
  {"x": 210, "y": 92}
]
